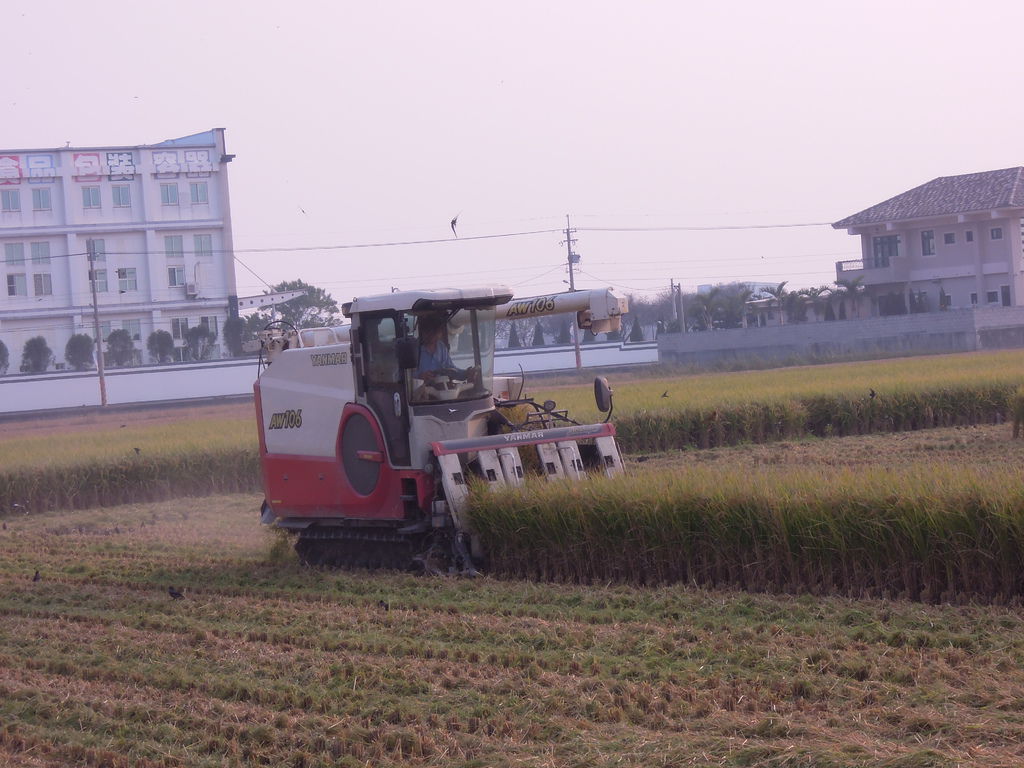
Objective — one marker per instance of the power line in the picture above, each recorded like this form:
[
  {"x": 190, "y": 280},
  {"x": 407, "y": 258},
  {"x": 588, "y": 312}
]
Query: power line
[{"x": 721, "y": 228}]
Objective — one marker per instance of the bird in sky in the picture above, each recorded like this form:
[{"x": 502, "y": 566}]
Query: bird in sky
[
  {"x": 175, "y": 594},
  {"x": 454, "y": 222}
]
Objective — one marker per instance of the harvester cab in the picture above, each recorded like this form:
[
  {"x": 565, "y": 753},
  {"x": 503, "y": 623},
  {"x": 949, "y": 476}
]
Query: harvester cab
[{"x": 371, "y": 433}]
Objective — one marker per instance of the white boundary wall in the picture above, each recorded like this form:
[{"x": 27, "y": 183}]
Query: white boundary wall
[{"x": 220, "y": 378}]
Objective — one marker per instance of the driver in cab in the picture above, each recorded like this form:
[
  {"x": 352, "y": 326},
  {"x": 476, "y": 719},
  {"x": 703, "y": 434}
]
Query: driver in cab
[{"x": 435, "y": 359}]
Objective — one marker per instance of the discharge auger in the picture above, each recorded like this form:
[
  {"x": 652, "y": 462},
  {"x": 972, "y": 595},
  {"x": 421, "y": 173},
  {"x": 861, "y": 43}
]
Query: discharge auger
[{"x": 371, "y": 433}]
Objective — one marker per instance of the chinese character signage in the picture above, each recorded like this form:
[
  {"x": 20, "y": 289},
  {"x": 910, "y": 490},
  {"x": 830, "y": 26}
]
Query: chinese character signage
[
  {"x": 87, "y": 166},
  {"x": 10, "y": 169},
  {"x": 197, "y": 161},
  {"x": 166, "y": 164},
  {"x": 41, "y": 168},
  {"x": 121, "y": 166}
]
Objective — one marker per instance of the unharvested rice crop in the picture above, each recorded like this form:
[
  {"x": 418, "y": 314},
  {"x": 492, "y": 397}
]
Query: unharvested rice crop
[{"x": 935, "y": 531}]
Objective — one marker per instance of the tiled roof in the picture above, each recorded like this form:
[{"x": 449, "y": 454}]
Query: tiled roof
[{"x": 946, "y": 195}]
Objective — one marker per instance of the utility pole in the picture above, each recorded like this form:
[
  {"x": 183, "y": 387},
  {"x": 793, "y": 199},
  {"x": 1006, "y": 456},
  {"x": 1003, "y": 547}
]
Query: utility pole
[
  {"x": 678, "y": 310},
  {"x": 91, "y": 247},
  {"x": 572, "y": 259}
]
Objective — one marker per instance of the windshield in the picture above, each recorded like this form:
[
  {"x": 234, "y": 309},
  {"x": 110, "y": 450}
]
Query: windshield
[{"x": 456, "y": 355}]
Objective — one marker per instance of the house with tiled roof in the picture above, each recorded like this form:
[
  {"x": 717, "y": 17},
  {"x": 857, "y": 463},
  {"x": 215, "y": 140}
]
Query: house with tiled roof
[{"x": 953, "y": 242}]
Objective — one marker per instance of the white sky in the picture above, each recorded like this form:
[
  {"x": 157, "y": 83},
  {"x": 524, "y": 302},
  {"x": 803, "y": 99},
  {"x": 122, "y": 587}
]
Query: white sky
[{"x": 382, "y": 121}]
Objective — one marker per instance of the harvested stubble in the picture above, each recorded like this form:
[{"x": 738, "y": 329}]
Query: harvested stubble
[{"x": 939, "y": 532}]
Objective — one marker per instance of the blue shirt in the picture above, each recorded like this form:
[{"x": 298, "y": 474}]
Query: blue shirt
[{"x": 434, "y": 361}]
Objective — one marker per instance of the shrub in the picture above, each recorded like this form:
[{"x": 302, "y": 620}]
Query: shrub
[
  {"x": 78, "y": 351},
  {"x": 36, "y": 356},
  {"x": 160, "y": 345},
  {"x": 200, "y": 342},
  {"x": 120, "y": 347}
]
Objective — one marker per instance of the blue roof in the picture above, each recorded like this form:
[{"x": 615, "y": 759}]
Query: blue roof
[{"x": 204, "y": 139}]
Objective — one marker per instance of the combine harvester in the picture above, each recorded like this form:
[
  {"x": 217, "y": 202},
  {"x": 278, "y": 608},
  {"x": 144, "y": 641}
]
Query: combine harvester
[{"x": 370, "y": 432}]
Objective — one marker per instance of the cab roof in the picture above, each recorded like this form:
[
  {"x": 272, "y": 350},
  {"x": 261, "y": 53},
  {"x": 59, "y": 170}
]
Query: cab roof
[{"x": 430, "y": 300}]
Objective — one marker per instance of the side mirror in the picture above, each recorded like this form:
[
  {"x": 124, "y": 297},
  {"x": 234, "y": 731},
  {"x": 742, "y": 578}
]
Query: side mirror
[
  {"x": 407, "y": 349},
  {"x": 603, "y": 394}
]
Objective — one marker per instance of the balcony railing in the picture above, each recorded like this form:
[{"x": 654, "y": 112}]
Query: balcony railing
[{"x": 849, "y": 266}]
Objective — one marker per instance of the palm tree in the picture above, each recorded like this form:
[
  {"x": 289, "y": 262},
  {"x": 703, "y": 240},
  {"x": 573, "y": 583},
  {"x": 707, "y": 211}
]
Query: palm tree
[
  {"x": 732, "y": 305},
  {"x": 850, "y": 289},
  {"x": 779, "y": 293},
  {"x": 818, "y": 298},
  {"x": 702, "y": 307}
]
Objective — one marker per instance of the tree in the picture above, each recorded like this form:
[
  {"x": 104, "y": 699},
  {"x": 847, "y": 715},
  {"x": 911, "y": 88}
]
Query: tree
[
  {"x": 234, "y": 327},
  {"x": 849, "y": 289},
  {"x": 5, "y": 358},
  {"x": 636, "y": 333},
  {"x": 538, "y": 335},
  {"x": 120, "y": 347},
  {"x": 160, "y": 345},
  {"x": 199, "y": 341},
  {"x": 314, "y": 310},
  {"x": 779, "y": 294},
  {"x": 730, "y": 310},
  {"x": 513, "y": 336},
  {"x": 36, "y": 355},
  {"x": 564, "y": 332},
  {"x": 701, "y": 307},
  {"x": 78, "y": 351},
  {"x": 818, "y": 298}
]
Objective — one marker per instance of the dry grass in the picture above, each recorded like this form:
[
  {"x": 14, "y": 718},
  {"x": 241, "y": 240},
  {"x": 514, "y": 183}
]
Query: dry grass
[{"x": 264, "y": 662}]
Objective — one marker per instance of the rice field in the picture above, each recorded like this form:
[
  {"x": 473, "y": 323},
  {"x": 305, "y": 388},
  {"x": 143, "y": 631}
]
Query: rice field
[{"x": 262, "y": 662}]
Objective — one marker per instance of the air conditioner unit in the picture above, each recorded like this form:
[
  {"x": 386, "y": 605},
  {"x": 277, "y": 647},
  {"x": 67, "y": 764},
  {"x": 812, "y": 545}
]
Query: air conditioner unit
[{"x": 191, "y": 290}]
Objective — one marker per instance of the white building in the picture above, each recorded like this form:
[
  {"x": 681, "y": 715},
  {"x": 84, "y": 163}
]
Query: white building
[{"x": 159, "y": 221}]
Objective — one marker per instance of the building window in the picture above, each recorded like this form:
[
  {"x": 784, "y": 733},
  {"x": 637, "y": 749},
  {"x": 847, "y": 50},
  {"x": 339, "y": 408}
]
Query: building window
[
  {"x": 928, "y": 242},
  {"x": 168, "y": 194},
  {"x": 127, "y": 280},
  {"x": 90, "y": 197},
  {"x": 996, "y": 233},
  {"x": 945, "y": 300},
  {"x": 885, "y": 250},
  {"x": 41, "y": 199},
  {"x": 40, "y": 253},
  {"x": 122, "y": 196},
  {"x": 1004, "y": 295},
  {"x": 992, "y": 297},
  {"x": 100, "y": 276},
  {"x": 99, "y": 250},
  {"x": 969, "y": 236},
  {"x": 14, "y": 253},
  {"x": 43, "y": 284},
  {"x": 10, "y": 200},
  {"x": 178, "y": 327},
  {"x": 175, "y": 277},
  {"x": 949, "y": 238},
  {"x": 203, "y": 245},
  {"x": 133, "y": 327},
  {"x": 210, "y": 323},
  {"x": 198, "y": 192},
  {"x": 974, "y": 299},
  {"x": 17, "y": 285},
  {"x": 174, "y": 247},
  {"x": 105, "y": 328}
]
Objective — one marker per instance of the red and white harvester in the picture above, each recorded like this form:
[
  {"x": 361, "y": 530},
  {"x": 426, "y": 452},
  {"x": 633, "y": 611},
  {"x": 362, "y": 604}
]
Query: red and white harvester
[{"x": 368, "y": 457}]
